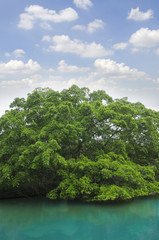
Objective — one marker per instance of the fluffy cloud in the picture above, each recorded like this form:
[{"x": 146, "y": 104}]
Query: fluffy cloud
[
  {"x": 36, "y": 12},
  {"x": 17, "y": 53},
  {"x": 91, "y": 27},
  {"x": 117, "y": 70},
  {"x": 120, "y": 46},
  {"x": 46, "y": 38},
  {"x": 19, "y": 67},
  {"x": 137, "y": 15},
  {"x": 64, "y": 67},
  {"x": 79, "y": 27},
  {"x": 96, "y": 24},
  {"x": 84, "y": 4},
  {"x": 62, "y": 43},
  {"x": 145, "y": 38}
]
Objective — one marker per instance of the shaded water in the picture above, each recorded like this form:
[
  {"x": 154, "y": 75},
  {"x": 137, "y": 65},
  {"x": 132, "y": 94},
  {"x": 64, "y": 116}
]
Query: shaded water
[{"x": 42, "y": 219}]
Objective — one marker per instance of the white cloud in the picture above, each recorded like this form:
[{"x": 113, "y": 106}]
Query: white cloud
[
  {"x": 145, "y": 38},
  {"x": 96, "y": 24},
  {"x": 17, "y": 53},
  {"x": 79, "y": 27},
  {"x": 91, "y": 27},
  {"x": 120, "y": 46},
  {"x": 84, "y": 4},
  {"x": 62, "y": 43},
  {"x": 117, "y": 70},
  {"x": 137, "y": 15},
  {"x": 19, "y": 67},
  {"x": 46, "y": 38},
  {"x": 26, "y": 21},
  {"x": 64, "y": 67},
  {"x": 36, "y": 12}
]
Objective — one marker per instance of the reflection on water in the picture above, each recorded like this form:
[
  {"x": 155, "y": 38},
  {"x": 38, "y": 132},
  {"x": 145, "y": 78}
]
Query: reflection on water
[{"x": 32, "y": 219}]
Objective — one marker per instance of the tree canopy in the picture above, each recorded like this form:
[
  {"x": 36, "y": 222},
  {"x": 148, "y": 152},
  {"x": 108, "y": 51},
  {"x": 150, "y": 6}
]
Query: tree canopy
[{"x": 77, "y": 144}]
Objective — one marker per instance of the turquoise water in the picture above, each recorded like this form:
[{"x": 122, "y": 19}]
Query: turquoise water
[{"x": 42, "y": 219}]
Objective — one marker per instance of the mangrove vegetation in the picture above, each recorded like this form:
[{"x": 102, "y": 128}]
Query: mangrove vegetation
[{"x": 78, "y": 145}]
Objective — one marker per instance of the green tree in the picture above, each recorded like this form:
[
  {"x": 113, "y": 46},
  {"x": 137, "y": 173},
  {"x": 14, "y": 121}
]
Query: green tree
[{"x": 77, "y": 144}]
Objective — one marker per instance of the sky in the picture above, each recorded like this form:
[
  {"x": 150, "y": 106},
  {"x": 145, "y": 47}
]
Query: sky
[{"x": 106, "y": 45}]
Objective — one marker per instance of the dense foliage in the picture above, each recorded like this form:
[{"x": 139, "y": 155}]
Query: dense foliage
[{"x": 75, "y": 144}]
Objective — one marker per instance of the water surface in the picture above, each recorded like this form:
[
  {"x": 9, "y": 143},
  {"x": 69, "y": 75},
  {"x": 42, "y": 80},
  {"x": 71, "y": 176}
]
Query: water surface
[{"x": 42, "y": 219}]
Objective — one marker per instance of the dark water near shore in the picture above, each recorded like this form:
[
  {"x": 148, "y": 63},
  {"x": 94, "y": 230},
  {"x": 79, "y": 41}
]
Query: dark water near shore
[{"x": 42, "y": 219}]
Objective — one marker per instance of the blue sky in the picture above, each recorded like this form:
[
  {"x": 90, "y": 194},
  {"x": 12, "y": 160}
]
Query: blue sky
[{"x": 101, "y": 44}]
